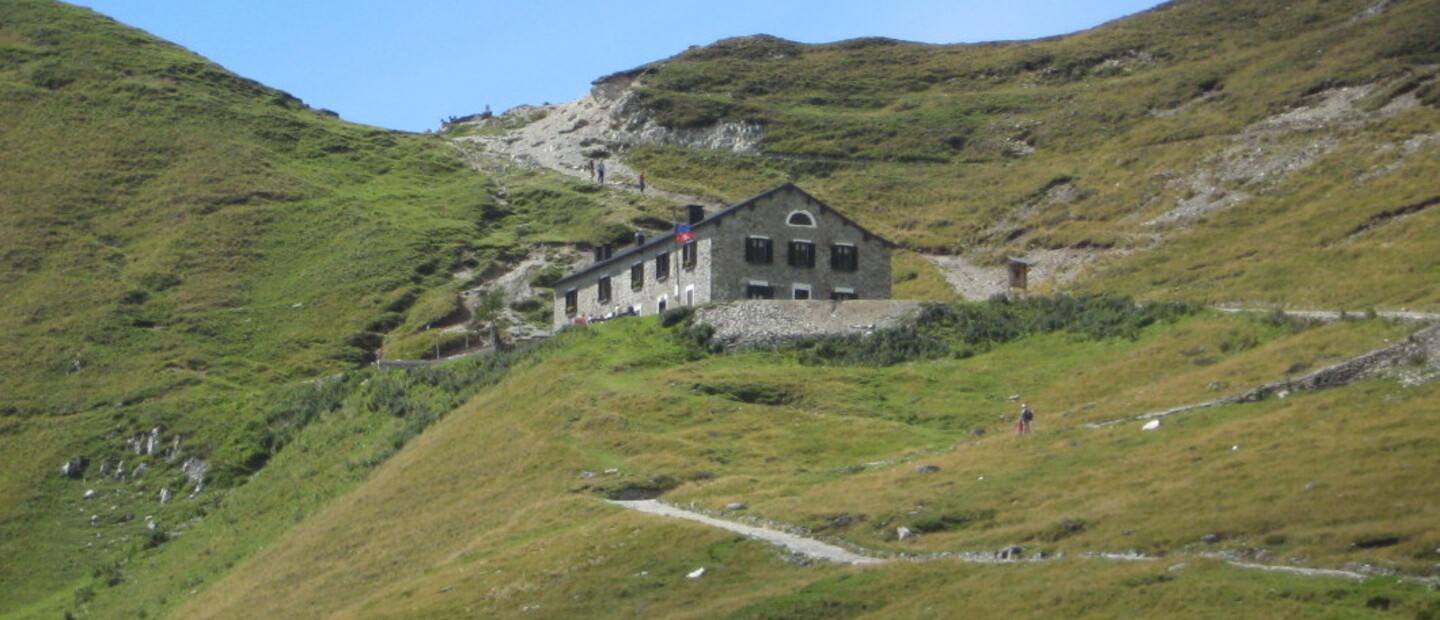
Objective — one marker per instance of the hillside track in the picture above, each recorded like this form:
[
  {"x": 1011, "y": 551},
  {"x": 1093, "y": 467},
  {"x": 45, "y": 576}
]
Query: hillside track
[
  {"x": 799, "y": 545},
  {"x": 1391, "y": 359},
  {"x": 815, "y": 550}
]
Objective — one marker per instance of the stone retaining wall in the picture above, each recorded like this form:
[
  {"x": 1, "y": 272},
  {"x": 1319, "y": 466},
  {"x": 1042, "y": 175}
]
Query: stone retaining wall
[
  {"x": 1415, "y": 360},
  {"x": 743, "y": 324}
]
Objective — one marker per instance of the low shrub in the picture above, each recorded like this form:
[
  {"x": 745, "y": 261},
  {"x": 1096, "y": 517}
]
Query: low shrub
[
  {"x": 951, "y": 520},
  {"x": 962, "y": 329}
]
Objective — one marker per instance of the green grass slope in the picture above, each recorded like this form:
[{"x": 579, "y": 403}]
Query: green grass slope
[
  {"x": 1205, "y": 150},
  {"x": 185, "y": 250},
  {"x": 489, "y": 513},
  {"x": 163, "y": 216},
  {"x": 176, "y": 241}
]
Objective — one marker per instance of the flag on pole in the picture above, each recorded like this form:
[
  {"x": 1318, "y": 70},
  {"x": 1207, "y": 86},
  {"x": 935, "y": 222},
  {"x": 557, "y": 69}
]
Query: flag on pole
[{"x": 683, "y": 234}]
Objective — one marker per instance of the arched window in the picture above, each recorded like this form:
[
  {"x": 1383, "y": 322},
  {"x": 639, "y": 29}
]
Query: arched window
[{"x": 801, "y": 218}]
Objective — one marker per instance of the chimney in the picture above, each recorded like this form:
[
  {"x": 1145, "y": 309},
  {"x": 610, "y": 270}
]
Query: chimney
[
  {"x": 694, "y": 213},
  {"x": 639, "y": 238}
]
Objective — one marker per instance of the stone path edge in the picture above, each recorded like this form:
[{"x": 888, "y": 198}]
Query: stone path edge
[{"x": 817, "y": 550}]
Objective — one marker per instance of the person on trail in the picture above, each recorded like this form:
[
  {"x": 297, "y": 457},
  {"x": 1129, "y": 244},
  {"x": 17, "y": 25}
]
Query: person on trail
[
  {"x": 600, "y": 171},
  {"x": 590, "y": 168},
  {"x": 1022, "y": 425},
  {"x": 642, "y": 182}
]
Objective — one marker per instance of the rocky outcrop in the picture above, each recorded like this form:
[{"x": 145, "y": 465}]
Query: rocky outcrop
[
  {"x": 564, "y": 137},
  {"x": 73, "y": 468},
  {"x": 634, "y": 124},
  {"x": 1277, "y": 147},
  {"x": 195, "y": 471}
]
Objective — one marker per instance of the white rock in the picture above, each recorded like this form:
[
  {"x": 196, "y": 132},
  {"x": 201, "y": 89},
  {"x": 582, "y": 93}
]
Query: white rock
[
  {"x": 696, "y": 574},
  {"x": 1151, "y": 425}
]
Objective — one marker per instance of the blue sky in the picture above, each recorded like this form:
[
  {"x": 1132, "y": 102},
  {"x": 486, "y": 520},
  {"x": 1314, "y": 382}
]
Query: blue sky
[{"x": 407, "y": 64}]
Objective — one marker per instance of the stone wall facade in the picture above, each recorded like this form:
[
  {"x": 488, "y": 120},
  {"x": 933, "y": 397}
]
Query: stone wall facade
[
  {"x": 768, "y": 216},
  {"x": 653, "y": 275},
  {"x": 684, "y": 285}
]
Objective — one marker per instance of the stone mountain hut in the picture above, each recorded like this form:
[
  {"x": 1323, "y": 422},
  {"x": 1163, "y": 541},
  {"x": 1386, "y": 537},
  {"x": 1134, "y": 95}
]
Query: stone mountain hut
[{"x": 782, "y": 244}]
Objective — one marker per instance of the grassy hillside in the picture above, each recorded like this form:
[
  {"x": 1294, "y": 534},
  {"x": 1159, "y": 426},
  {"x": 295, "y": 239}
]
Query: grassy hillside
[
  {"x": 175, "y": 241},
  {"x": 197, "y": 269},
  {"x": 1207, "y": 150},
  {"x": 489, "y": 514},
  {"x": 165, "y": 217}
]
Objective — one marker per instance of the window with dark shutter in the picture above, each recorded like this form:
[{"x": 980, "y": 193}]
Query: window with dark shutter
[
  {"x": 602, "y": 290},
  {"x": 759, "y": 250},
  {"x": 844, "y": 258},
  {"x": 802, "y": 254},
  {"x": 689, "y": 255},
  {"x": 759, "y": 291},
  {"x": 572, "y": 301},
  {"x": 637, "y": 276},
  {"x": 662, "y": 266}
]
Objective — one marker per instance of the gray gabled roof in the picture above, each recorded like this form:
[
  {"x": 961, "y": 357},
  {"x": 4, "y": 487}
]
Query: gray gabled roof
[{"x": 669, "y": 237}]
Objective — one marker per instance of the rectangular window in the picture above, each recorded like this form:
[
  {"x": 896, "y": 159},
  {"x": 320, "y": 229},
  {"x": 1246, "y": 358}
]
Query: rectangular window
[
  {"x": 689, "y": 255},
  {"x": 842, "y": 294},
  {"x": 759, "y": 250},
  {"x": 844, "y": 258},
  {"x": 662, "y": 266},
  {"x": 802, "y": 254},
  {"x": 572, "y": 301},
  {"x": 756, "y": 290},
  {"x": 802, "y": 293},
  {"x": 637, "y": 276},
  {"x": 602, "y": 290}
]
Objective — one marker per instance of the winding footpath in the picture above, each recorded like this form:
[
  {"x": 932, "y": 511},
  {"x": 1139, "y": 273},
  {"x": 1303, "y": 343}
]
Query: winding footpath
[
  {"x": 812, "y": 549},
  {"x": 799, "y": 545},
  {"x": 1424, "y": 343}
]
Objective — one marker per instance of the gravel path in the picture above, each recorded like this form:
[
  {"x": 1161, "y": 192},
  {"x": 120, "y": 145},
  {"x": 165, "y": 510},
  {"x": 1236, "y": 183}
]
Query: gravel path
[
  {"x": 817, "y": 550},
  {"x": 565, "y": 136},
  {"x": 1336, "y": 315},
  {"x": 795, "y": 544}
]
